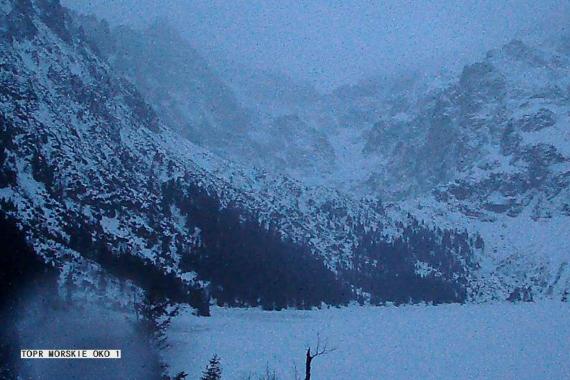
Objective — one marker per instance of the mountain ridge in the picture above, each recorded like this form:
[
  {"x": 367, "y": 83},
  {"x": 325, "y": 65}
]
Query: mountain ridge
[{"x": 99, "y": 180}]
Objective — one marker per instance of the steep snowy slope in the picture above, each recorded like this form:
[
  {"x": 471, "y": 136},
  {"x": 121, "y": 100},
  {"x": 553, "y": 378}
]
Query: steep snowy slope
[
  {"x": 486, "y": 150},
  {"x": 175, "y": 80},
  {"x": 102, "y": 185},
  {"x": 504, "y": 154},
  {"x": 250, "y": 116}
]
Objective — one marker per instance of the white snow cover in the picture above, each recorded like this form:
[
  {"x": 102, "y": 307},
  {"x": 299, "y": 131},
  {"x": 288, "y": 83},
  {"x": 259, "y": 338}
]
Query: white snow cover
[{"x": 490, "y": 341}]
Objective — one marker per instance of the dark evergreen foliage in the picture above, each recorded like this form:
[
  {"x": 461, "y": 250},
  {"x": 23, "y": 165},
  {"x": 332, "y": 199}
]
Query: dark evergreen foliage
[
  {"x": 213, "y": 370},
  {"x": 141, "y": 271},
  {"x": 387, "y": 268},
  {"x": 21, "y": 271},
  {"x": 180, "y": 376},
  {"x": 249, "y": 264},
  {"x": 154, "y": 280},
  {"x": 7, "y": 175},
  {"x": 154, "y": 314}
]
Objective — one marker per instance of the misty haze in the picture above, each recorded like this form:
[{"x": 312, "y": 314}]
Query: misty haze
[{"x": 285, "y": 190}]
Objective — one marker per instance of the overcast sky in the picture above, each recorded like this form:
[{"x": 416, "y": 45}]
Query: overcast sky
[{"x": 335, "y": 42}]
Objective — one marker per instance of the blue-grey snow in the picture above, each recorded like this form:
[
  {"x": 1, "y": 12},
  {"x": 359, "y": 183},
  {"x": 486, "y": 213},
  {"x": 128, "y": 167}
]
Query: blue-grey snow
[{"x": 314, "y": 180}]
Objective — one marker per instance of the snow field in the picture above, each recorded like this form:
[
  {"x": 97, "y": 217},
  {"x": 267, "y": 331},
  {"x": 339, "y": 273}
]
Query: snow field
[{"x": 490, "y": 341}]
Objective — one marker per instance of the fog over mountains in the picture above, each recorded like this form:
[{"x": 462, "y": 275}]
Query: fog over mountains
[
  {"x": 133, "y": 164},
  {"x": 489, "y": 144},
  {"x": 331, "y": 44}
]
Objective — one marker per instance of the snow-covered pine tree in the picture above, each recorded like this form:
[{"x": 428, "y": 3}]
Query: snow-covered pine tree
[{"x": 213, "y": 370}]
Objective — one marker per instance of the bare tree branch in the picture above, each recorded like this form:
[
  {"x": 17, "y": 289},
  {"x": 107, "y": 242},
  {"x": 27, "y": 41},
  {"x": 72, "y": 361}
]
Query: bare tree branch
[{"x": 320, "y": 350}]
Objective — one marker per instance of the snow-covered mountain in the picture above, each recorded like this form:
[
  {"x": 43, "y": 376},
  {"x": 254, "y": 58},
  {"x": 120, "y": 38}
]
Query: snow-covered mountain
[
  {"x": 96, "y": 172},
  {"x": 485, "y": 149},
  {"x": 509, "y": 120},
  {"x": 104, "y": 188},
  {"x": 245, "y": 115},
  {"x": 137, "y": 178}
]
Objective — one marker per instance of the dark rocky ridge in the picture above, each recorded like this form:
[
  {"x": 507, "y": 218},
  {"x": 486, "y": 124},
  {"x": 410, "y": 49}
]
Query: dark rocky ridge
[{"x": 104, "y": 187}]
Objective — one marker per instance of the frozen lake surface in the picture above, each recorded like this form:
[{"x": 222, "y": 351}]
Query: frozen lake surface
[{"x": 489, "y": 341}]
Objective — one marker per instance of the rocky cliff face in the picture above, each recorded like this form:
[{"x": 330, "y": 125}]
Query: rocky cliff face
[
  {"x": 501, "y": 136},
  {"x": 95, "y": 170},
  {"x": 251, "y": 118},
  {"x": 104, "y": 188},
  {"x": 486, "y": 150}
]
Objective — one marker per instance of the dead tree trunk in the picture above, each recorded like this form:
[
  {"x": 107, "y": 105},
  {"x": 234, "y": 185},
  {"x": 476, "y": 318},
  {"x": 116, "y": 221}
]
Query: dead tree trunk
[
  {"x": 308, "y": 365},
  {"x": 318, "y": 352}
]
